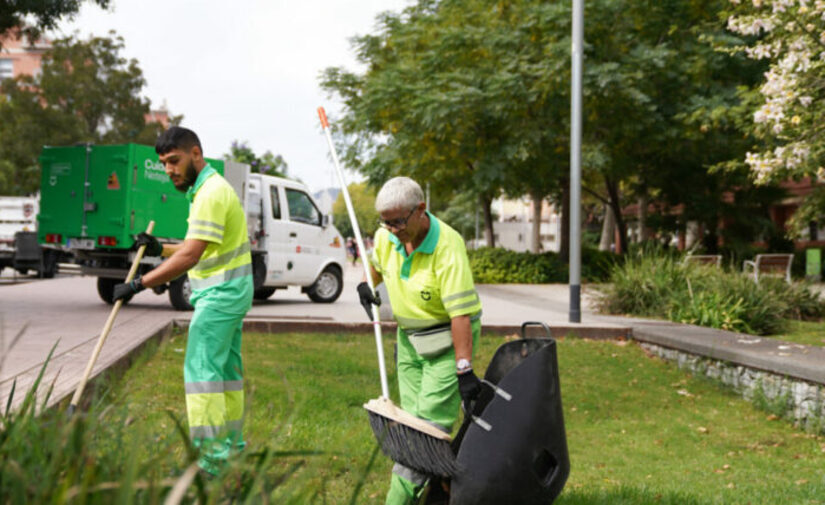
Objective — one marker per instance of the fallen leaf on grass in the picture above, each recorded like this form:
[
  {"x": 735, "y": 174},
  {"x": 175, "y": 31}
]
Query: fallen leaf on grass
[
  {"x": 702, "y": 429},
  {"x": 801, "y": 481},
  {"x": 731, "y": 485},
  {"x": 772, "y": 417},
  {"x": 684, "y": 392}
]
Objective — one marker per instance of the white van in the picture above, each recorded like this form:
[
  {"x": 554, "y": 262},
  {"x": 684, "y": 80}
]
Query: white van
[{"x": 293, "y": 243}]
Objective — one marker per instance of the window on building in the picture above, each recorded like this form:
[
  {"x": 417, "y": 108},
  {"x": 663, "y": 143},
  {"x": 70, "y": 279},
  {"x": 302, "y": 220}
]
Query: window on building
[
  {"x": 301, "y": 208},
  {"x": 6, "y": 68}
]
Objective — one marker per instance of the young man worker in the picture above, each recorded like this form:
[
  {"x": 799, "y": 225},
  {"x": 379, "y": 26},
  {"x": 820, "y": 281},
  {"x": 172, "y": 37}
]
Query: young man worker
[
  {"x": 424, "y": 265},
  {"x": 216, "y": 255}
]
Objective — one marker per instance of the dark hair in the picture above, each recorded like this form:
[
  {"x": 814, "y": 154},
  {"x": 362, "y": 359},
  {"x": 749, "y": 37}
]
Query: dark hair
[{"x": 177, "y": 137}]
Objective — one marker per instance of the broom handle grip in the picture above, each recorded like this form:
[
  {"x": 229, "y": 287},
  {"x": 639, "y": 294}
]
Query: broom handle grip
[
  {"x": 376, "y": 321},
  {"x": 108, "y": 326}
]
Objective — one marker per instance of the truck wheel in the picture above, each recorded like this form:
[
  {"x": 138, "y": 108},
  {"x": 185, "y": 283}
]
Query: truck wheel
[
  {"x": 264, "y": 292},
  {"x": 328, "y": 286},
  {"x": 106, "y": 289},
  {"x": 179, "y": 292},
  {"x": 49, "y": 264}
]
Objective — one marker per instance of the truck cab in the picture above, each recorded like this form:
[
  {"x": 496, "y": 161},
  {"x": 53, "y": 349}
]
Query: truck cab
[{"x": 293, "y": 243}]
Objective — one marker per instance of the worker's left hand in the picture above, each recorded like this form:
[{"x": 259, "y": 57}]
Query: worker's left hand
[
  {"x": 127, "y": 289},
  {"x": 469, "y": 387}
]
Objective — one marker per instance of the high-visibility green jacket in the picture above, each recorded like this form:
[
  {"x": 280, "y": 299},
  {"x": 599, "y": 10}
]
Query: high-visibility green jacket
[
  {"x": 431, "y": 285},
  {"x": 223, "y": 276}
]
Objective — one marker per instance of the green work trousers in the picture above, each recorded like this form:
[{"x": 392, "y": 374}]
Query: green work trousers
[
  {"x": 213, "y": 377},
  {"x": 429, "y": 390}
]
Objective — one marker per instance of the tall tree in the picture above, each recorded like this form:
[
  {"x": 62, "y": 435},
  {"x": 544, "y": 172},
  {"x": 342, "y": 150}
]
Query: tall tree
[
  {"x": 661, "y": 100},
  {"x": 471, "y": 94},
  {"x": 30, "y": 18},
  {"x": 86, "y": 92}
]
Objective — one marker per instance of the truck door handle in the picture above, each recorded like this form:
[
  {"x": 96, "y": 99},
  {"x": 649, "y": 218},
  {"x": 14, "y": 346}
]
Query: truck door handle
[{"x": 293, "y": 234}]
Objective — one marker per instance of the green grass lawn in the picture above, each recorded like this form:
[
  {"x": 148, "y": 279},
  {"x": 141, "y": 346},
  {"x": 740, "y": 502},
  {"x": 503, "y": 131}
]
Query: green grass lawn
[
  {"x": 639, "y": 430},
  {"x": 804, "y": 332}
]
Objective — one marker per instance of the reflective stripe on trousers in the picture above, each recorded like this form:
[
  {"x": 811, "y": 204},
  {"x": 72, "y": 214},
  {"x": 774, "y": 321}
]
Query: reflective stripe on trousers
[{"x": 213, "y": 377}]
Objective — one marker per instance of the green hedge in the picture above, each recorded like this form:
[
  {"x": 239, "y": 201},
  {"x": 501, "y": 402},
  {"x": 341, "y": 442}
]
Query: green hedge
[
  {"x": 502, "y": 266},
  {"x": 661, "y": 285}
]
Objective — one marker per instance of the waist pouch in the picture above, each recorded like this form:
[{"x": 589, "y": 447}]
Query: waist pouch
[{"x": 431, "y": 342}]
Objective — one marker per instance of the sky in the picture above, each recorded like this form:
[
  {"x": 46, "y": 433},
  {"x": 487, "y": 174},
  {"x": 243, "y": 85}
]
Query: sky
[{"x": 243, "y": 70}]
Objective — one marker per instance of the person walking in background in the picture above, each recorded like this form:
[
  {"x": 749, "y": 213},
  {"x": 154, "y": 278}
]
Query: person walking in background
[
  {"x": 216, "y": 255},
  {"x": 352, "y": 250},
  {"x": 424, "y": 266}
]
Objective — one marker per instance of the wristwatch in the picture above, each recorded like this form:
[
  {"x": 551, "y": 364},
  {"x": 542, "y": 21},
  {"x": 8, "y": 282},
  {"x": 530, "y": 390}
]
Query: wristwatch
[{"x": 463, "y": 365}]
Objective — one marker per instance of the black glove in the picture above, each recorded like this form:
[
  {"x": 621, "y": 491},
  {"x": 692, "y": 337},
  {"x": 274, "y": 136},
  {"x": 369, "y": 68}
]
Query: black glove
[
  {"x": 469, "y": 387},
  {"x": 368, "y": 299},
  {"x": 127, "y": 289},
  {"x": 153, "y": 247}
]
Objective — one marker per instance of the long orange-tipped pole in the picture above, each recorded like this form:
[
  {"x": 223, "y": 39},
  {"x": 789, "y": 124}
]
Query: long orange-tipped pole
[
  {"x": 107, "y": 328},
  {"x": 376, "y": 322}
]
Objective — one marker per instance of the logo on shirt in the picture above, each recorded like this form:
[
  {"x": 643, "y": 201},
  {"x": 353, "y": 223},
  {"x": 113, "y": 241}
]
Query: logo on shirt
[{"x": 425, "y": 295}]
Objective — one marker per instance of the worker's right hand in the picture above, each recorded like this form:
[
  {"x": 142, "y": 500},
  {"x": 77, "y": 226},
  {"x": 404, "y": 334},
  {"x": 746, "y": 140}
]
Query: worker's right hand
[
  {"x": 368, "y": 298},
  {"x": 153, "y": 247},
  {"x": 469, "y": 387},
  {"x": 127, "y": 289}
]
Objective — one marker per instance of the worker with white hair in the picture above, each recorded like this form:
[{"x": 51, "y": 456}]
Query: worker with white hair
[{"x": 424, "y": 265}]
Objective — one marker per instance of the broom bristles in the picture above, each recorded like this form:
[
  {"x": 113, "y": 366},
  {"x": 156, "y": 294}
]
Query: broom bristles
[{"x": 410, "y": 441}]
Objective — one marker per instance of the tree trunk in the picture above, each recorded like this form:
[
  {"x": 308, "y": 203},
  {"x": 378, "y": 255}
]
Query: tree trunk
[
  {"x": 564, "y": 251},
  {"x": 608, "y": 229},
  {"x": 616, "y": 205},
  {"x": 711, "y": 239},
  {"x": 536, "y": 230},
  {"x": 643, "y": 235},
  {"x": 486, "y": 203}
]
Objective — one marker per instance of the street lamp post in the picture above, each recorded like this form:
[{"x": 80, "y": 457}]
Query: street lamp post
[{"x": 575, "y": 161}]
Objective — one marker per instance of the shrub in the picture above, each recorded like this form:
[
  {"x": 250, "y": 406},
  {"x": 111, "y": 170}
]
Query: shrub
[
  {"x": 658, "y": 284},
  {"x": 502, "y": 266}
]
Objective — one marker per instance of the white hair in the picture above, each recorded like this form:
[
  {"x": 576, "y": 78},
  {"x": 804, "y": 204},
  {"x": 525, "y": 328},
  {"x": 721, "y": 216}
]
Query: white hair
[{"x": 398, "y": 193}]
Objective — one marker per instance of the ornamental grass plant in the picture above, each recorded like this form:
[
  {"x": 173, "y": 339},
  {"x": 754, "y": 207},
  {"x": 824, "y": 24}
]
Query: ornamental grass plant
[
  {"x": 656, "y": 283},
  {"x": 103, "y": 455}
]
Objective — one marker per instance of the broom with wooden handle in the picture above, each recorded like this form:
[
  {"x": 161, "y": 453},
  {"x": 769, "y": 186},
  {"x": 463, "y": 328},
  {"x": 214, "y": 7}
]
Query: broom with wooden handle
[
  {"x": 106, "y": 328},
  {"x": 403, "y": 437}
]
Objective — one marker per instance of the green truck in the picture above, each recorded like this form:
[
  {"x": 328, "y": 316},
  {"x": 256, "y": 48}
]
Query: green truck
[{"x": 95, "y": 199}]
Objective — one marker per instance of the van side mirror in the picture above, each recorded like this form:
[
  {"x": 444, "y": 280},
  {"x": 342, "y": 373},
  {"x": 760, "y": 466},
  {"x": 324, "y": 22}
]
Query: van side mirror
[{"x": 325, "y": 220}]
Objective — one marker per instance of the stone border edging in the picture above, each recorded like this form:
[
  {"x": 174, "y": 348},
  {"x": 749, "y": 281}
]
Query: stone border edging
[{"x": 766, "y": 354}]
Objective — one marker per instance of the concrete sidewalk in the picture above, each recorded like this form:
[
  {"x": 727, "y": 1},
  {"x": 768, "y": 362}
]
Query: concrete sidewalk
[{"x": 67, "y": 312}]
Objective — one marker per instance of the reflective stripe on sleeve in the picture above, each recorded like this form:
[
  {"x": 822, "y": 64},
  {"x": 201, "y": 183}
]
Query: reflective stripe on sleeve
[
  {"x": 459, "y": 295},
  {"x": 203, "y": 232},
  {"x": 462, "y": 306},
  {"x": 201, "y": 222}
]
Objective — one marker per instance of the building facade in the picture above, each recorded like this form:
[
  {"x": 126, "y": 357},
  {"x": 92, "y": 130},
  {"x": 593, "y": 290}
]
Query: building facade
[{"x": 19, "y": 56}]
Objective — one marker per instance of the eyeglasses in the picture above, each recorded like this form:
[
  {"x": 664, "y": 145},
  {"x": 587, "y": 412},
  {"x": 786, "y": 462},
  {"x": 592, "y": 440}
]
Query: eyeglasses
[{"x": 396, "y": 224}]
